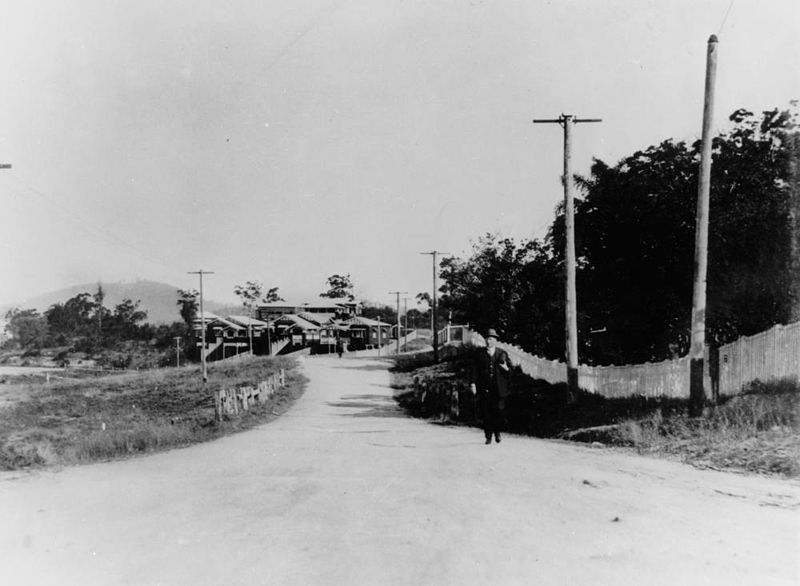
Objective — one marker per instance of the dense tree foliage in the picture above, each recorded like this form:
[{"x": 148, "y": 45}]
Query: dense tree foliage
[
  {"x": 188, "y": 305},
  {"x": 386, "y": 313},
  {"x": 635, "y": 226},
  {"x": 272, "y": 296},
  {"x": 26, "y": 328},
  {"x": 78, "y": 323},
  {"x": 251, "y": 294},
  {"x": 339, "y": 287}
]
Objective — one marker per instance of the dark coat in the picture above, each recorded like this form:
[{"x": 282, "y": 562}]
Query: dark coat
[{"x": 488, "y": 374}]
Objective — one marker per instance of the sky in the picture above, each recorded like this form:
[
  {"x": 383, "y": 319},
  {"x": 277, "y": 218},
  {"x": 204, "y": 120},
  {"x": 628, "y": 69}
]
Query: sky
[{"x": 284, "y": 142}]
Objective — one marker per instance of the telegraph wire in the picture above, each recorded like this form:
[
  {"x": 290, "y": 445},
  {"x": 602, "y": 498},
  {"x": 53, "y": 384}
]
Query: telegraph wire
[
  {"x": 725, "y": 18},
  {"x": 89, "y": 227}
]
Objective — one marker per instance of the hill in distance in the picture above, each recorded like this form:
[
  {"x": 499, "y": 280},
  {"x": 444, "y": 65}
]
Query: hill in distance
[{"x": 159, "y": 300}]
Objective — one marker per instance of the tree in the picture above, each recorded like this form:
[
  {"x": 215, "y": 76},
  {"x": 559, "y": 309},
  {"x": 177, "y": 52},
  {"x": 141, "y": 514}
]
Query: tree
[
  {"x": 339, "y": 287},
  {"x": 72, "y": 319},
  {"x": 635, "y": 242},
  {"x": 386, "y": 313},
  {"x": 250, "y": 293},
  {"x": 424, "y": 297},
  {"x": 125, "y": 321},
  {"x": 188, "y": 304},
  {"x": 487, "y": 289},
  {"x": 272, "y": 296},
  {"x": 99, "y": 310},
  {"x": 26, "y": 328}
]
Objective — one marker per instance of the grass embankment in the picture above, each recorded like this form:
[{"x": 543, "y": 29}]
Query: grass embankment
[
  {"x": 72, "y": 421},
  {"x": 756, "y": 431}
]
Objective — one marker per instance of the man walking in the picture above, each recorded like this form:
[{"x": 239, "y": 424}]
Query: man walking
[{"x": 490, "y": 384}]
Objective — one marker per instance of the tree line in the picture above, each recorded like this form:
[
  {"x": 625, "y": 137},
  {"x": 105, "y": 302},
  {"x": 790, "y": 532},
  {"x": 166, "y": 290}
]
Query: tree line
[
  {"x": 84, "y": 324},
  {"x": 634, "y": 229}
]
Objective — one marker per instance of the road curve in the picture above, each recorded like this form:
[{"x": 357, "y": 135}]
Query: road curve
[{"x": 344, "y": 489}]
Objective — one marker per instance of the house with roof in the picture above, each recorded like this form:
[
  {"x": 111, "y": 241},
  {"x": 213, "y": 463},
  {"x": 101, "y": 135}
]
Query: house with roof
[
  {"x": 301, "y": 332},
  {"x": 338, "y": 308},
  {"x": 233, "y": 335},
  {"x": 224, "y": 338},
  {"x": 286, "y": 327}
]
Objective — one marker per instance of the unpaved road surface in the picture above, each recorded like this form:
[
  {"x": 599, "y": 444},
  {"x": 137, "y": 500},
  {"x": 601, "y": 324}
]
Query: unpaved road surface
[{"x": 343, "y": 489}]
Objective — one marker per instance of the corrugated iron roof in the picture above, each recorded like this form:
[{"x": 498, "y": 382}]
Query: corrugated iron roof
[
  {"x": 322, "y": 303},
  {"x": 298, "y": 321},
  {"x": 248, "y": 321},
  {"x": 364, "y": 321},
  {"x": 317, "y": 318}
]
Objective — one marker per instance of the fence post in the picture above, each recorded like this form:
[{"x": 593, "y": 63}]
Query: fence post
[{"x": 218, "y": 405}]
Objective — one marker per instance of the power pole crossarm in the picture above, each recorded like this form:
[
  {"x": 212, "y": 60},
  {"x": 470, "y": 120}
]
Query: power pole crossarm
[{"x": 567, "y": 121}]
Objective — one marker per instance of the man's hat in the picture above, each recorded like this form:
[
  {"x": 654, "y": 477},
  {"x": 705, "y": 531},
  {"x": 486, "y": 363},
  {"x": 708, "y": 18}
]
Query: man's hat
[{"x": 492, "y": 333}]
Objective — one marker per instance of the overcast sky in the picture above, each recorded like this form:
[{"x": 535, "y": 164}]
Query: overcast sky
[{"x": 286, "y": 141}]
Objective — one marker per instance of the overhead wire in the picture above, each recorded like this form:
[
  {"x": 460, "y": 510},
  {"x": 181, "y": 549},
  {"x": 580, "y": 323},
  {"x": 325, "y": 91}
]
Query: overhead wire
[
  {"x": 85, "y": 225},
  {"x": 725, "y": 18},
  {"x": 90, "y": 228}
]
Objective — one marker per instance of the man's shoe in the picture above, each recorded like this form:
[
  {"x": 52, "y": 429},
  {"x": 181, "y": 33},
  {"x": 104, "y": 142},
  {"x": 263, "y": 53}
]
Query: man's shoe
[
  {"x": 497, "y": 438},
  {"x": 488, "y": 440}
]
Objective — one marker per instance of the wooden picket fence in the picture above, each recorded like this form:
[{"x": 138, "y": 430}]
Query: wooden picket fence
[
  {"x": 240, "y": 400},
  {"x": 773, "y": 354},
  {"x": 445, "y": 398},
  {"x": 770, "y": 355}
]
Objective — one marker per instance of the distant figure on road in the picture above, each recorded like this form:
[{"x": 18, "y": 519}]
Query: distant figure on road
[
  {"x": 339, "y": 347},
  {"x": 490, "y": 384}
]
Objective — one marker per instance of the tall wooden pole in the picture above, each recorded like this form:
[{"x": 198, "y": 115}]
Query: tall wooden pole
[
  {"x": 202, "y": 325},
  {"x": 398, "y": 293},
  {"x": 177, "y": 351},
  {"x": 697, "y": 395},
  {"x": 379, "y": 335},
  {"x": 405, "y": 316},
  {"x": 434, "y": 254},
  {"x": 571, "y": 310},
  {"x": 571, "y": 294}
]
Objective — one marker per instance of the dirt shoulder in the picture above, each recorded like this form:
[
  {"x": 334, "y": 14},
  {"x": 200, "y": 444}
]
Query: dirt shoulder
[{"x": 757, "y": 431}]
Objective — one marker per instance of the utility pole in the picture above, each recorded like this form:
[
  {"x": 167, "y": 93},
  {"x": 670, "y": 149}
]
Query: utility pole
[
  {"x": 177, "y": 351},
  {"x": 697, "y": 395},
  {"x": 567, "y": 121},
  {"x": 201, "y": 272},
  {"x": 379, "y": 335},
  {"x": 398, "y": 293},
  {"x": 405, "y": 316},
  {"x": 434, "y": 254}
]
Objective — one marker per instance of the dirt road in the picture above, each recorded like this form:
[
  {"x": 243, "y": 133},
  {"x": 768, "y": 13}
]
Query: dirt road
[{"x": 343, "y": 489}]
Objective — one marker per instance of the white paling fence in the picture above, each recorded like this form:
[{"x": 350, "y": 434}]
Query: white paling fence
[
  {"x": 239, "y": 400},
  {"x": 769, "y": 355},
  {"x": 552, "y": 371},
  {"x": 669, "y": 378}
]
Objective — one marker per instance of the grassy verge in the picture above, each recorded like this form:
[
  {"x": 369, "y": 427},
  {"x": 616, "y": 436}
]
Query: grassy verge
[
  {"x": 72, "y": 421},
  {"x": 757, "y": 431}
]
